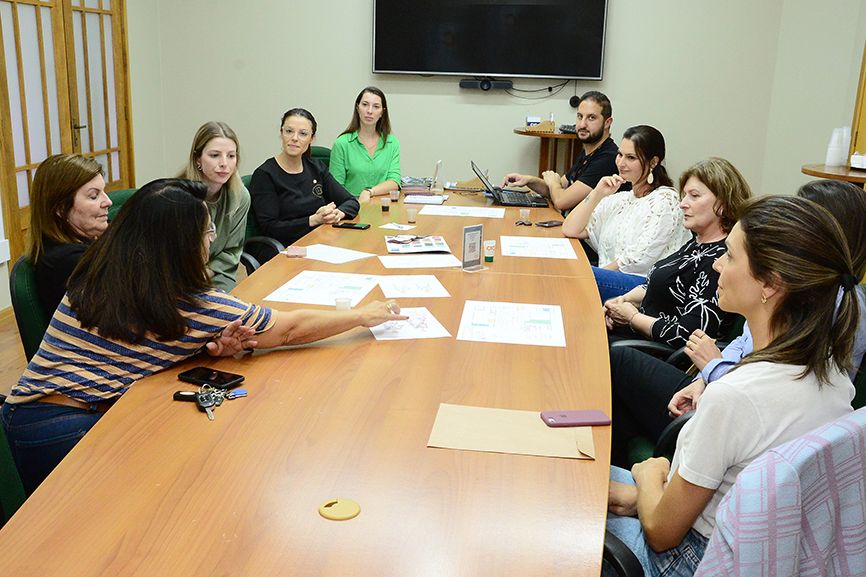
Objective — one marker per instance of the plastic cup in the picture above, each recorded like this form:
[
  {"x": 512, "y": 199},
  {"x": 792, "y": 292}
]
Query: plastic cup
[
  {"x": 343, "y": 303},
  {"x": 524, "y": 214},
  {"x": 395, "y": 195},
  {"x": 489, "y": 250},
  {"x": 386, "y": 203},
  {"x": 411, "y": 215}
]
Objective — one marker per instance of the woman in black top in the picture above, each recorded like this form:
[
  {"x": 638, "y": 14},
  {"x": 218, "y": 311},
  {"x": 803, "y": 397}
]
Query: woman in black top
[
  {"x": 680, "y": 293},
  {"x": 68, "y": 211},
  {"x": 291, "y": 193}
]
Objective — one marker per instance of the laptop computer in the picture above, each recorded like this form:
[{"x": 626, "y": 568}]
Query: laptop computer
[{"x": 508, "y": 197}]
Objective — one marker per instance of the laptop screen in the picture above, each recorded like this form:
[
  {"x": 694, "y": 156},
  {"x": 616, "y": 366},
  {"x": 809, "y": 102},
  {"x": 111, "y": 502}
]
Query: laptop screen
[{"x": 481, "y": 177}]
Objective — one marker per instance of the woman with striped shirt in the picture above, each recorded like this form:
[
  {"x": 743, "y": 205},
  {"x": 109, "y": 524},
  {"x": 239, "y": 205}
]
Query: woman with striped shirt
[{"x": 140, "y": 301}]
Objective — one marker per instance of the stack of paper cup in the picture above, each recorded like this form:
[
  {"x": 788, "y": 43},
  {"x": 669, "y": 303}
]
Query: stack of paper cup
[{"x": 837, "y": 149}]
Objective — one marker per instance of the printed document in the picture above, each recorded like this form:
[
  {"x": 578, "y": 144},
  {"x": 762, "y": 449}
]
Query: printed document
[
  {"x": 420, "y": 261},
  {"x": 537, "y": 247},
  {"x": 399, "y": 286},
  {"x": 321, "y": 288},
  {"x": 471, "y": 211},
  {"x": 421, "y": 324},
  {"x": 512, "y": 323}
]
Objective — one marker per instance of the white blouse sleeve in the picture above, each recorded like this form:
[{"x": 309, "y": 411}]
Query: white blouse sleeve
[
  {"x": 659, "y": 223},
  {"x": 597, "y": 220}
]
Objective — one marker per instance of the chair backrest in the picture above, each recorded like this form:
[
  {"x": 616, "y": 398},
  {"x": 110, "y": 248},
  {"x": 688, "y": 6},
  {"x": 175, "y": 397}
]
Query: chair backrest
[
  {"x": 118, "y": 197},
  {"x": 798, "y": 509},
  {"x": 31, "y": 318},
  {"x": 11, "y": 489},
  {"x": 322, "y": 153}
]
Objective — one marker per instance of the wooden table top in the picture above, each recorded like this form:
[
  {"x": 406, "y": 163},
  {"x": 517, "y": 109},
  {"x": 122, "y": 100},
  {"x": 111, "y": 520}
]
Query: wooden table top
[
  {"x": 556, "y": 134},
  {"x": 855, "y": 175},
  {"x": 157, "y": 489}
]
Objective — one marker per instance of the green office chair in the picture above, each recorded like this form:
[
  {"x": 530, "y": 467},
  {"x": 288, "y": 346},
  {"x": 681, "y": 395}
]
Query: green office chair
[
  {"x": 11, "y": 490},
  {"x": 118, "y": 197},
  {"x": 322, "y": 153},
  {"x": 31, "y": 318}
]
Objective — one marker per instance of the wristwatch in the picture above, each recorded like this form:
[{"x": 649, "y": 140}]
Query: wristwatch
[{"x": 368, "y": 189}]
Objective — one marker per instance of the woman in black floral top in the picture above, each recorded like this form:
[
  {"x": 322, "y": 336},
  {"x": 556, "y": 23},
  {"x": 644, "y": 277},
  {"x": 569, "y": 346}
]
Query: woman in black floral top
[{"x": 680, "y": 293}]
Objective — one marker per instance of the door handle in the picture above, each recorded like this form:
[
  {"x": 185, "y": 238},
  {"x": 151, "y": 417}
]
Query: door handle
[{"x": 79, "y": 126}]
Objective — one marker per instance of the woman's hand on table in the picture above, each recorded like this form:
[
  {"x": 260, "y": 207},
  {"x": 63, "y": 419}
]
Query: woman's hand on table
[
  {"x": 233, "y": 339},
  {"x": 319, "y": 216},
  {"x": 378, "y": 312}
]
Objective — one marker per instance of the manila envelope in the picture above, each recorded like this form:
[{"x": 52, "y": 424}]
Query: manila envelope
[{"x": 507, "y": 431}]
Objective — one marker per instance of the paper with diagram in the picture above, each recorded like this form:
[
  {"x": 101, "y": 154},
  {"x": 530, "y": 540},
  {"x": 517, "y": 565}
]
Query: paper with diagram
[
  {"x": 321, "y": 288},
  {"x": 399, "y": 286},
  {"x": 512, "y": 323},
  {"x": 335, "y": 254},
  {"x": 421, "y": 324},
  {"x": 537, "y": 247}
]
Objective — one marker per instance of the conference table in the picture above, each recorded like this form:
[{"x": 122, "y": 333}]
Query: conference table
[{"x": 156, "y": 489}]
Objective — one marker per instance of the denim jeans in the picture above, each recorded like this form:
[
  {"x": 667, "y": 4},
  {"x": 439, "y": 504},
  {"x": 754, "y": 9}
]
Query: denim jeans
[
  {"x": 40, "y": 435},
  {"x": 680, "y": 561},
  {"x": 613, "y": 283}
]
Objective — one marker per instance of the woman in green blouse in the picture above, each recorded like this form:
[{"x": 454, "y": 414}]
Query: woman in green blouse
[{"x": 366, "y": 156}]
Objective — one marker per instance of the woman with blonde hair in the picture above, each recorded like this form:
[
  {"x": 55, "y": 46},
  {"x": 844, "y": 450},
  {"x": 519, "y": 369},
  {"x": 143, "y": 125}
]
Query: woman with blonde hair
[
  {"x": 68, "y": 211},
  {"x": 213, "y": 160}
]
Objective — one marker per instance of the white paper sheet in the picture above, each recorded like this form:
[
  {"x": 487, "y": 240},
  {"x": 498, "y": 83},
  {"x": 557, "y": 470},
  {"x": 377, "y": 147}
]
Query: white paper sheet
[
  {"x": 398, "y": 286},
  {"x": 420, "y": 261},
  {"x": 424, "y": 199},
  {"x": 398, "y": 226},
  {"x": 537, "y": 247},
  {"x": 321, "y": 288},
  {"x": 472, "y": 211},
  {"x": 512, "y": 323},
  {"x": 421, "y": 324},
  {"x": 334, "y": 254}
]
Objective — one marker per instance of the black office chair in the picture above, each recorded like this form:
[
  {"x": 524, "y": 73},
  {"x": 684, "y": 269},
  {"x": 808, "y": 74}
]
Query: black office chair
[
  {"x": 258, "y": 249},
  {"x": 11, "y": 489}
]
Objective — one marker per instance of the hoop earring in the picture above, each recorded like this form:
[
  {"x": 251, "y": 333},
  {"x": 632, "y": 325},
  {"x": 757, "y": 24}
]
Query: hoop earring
[{"x": 650, "y": 179}]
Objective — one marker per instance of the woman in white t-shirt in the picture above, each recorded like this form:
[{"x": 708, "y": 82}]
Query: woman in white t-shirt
[
  {"x": 633, "y": 230},
  {"x": 786, "y": 260}
]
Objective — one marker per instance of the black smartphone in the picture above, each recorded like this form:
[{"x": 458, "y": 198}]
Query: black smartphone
[
  {"x": 352, "y": 225},
  {"x": 208, "y": 376},
  {"x": 549, "y": 223}
]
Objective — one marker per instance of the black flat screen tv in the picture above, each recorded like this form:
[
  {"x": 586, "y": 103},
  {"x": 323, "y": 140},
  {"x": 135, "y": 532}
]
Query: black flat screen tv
[{"x": 525, "y": 38}]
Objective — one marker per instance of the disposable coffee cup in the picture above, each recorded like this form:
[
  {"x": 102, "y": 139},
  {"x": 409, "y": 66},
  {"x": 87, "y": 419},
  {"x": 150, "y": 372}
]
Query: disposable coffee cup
[
  {"x": 386, "y": 204},
  {"x": 411, "y": 215},
  {"x": 489, "y": 250},
  {"x": 524, "y": 214},
  {"x": 395, "y": 195}
]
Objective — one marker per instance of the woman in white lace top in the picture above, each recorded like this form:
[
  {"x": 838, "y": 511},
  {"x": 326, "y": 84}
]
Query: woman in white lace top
[{"x": 632, "y": 230}]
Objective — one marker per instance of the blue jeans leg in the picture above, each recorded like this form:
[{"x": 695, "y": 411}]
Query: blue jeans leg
[
  {"x": 613, "y": 283},
  {"x": 40, "y": 435},
  {"x": 680, "y": 561}
]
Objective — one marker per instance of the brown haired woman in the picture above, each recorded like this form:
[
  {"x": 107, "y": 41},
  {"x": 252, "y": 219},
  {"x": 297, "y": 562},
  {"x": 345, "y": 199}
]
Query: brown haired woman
[
  {"x": 787, "y": 259},
  {"x": 68, "y": 211},
  {"x": 366, "y": 156}
]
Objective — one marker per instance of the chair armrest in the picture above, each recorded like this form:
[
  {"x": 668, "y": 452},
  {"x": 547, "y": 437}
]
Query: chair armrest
[
  {"x": 667, "y": 442},
  {"x": 656, "y": 349},
  {"x": 250, "y": 263},
  {"x": 262, "y": 248},
  {"x": 622, "y": 560}
]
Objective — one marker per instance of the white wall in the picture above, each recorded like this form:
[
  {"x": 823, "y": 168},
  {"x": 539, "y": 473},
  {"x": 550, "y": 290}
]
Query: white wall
[
  {"x": 760, "y": 83},
  {"x": 738, "y": 79}
]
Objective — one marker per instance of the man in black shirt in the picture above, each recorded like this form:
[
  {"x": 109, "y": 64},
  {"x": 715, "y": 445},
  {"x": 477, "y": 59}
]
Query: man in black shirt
[{"x": 597, "y": 157}]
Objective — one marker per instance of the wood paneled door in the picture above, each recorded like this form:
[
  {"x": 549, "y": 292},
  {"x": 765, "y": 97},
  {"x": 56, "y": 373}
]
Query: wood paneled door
[{"x": 63, "y": 88}]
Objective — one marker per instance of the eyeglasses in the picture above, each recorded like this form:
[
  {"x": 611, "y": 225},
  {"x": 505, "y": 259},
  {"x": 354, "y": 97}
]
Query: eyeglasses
[
  {"x": 302, "y": 134},
  {"x": 522, "y": 223},
  {"x": 211, "y": 231}
]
